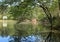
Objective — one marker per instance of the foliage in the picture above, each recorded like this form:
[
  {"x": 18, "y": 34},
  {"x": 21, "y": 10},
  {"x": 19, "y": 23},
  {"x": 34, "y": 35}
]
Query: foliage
[{"x": 42, "y": 10}]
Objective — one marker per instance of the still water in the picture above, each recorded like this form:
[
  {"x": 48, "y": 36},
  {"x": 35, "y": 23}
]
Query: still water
[
  {"x": 10, "y": 36},
  {"x": 26, "y": 33},
  {"x": 26, "y": 39}
]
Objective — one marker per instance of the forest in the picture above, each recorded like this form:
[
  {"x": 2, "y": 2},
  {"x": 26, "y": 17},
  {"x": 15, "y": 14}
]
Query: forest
[{"x": 30, "y": 17}]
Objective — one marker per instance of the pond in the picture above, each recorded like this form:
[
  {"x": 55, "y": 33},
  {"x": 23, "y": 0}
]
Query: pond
[
  {"x": 25, "y": 33},
  {"x": 26, "y": 39}
]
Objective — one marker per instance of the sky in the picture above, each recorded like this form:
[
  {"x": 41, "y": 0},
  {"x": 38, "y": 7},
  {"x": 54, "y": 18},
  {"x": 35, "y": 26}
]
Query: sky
[
  {"x": 0, "y": 0},
  {"x": 27, "y": 39},
  {"x": 4, "y": 39}
]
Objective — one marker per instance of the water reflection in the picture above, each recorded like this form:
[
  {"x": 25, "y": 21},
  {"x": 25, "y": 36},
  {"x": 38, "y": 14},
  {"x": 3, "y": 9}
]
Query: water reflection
[
  {"x": 27, "y": 39},
  {"x": 23, "y": 39},
  {"x": 4, "y": 39},
  {"x": 23, "y": 32},
  {"x": 4, "y": 21},
  {"x": 31, "y": 39}
]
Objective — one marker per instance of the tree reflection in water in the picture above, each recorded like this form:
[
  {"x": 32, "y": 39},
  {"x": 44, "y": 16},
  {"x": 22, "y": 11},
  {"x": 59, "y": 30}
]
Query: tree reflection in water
[
  {"x": 26, "y": 33},
  {"x": 27, "y": 39}
]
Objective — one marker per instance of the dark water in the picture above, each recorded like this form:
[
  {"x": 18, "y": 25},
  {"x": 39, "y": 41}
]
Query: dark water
[
  {"x": 26, "y": 33},
  {"x": 9, "y": 35}
]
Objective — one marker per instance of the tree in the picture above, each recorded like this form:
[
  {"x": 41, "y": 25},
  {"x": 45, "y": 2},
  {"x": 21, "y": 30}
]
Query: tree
[
  {"x": 43, "y": 5},
  {"x": 3, "y": 8},
  {"x": 23, "y": 9},
  {"x": 59, "y": 4}
]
